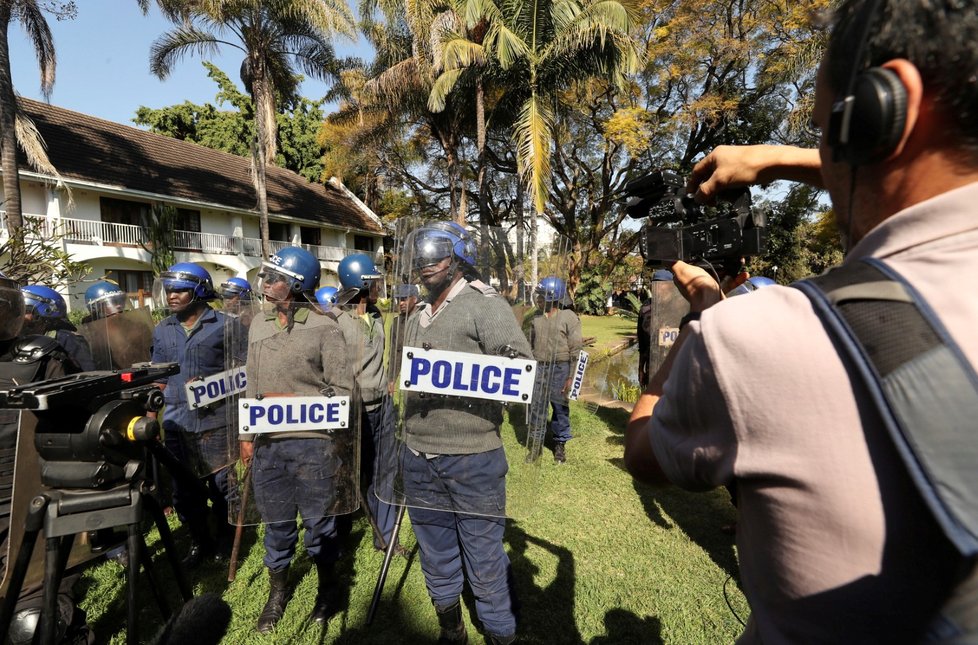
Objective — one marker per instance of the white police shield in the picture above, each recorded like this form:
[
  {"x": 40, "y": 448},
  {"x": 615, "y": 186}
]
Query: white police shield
[
  {"x": 658, "y": 326},
  {"x": 463, "y": 373},
  {"x": 293, "y": 413},
  {"x": 120, "y": 340}
]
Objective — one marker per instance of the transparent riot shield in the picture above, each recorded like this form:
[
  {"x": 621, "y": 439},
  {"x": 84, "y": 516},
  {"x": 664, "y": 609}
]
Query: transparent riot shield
[
  {"x": 295, "y": 425},
  {"x": 463, "y": 373},
  {"x": 120, "y": 340},
  {"x": 194, "y": 419},
  {"x": 659, "y": 323}
]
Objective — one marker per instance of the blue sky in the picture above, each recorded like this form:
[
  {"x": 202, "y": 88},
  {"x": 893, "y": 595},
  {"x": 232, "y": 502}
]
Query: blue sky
[{"x": 103, "y": 63}]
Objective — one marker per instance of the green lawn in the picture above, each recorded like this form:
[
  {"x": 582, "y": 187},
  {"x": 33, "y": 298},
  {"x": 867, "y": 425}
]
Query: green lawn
[
  {"x": 609, "y": 332},
  {"x": 596, "y": 559}
]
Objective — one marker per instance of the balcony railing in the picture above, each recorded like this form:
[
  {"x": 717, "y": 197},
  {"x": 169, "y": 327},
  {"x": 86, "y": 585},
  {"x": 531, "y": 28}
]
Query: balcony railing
[{"x": 83, "y": 231}]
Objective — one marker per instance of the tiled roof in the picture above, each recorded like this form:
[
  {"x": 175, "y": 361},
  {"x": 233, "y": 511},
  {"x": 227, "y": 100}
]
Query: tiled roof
[{"x": 86, "y": 148}]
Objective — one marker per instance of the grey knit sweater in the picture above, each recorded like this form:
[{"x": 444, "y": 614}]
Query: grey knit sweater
[
  {"x": 305, "y": 361},
  {"x": 365, "y": 339},
  {"x": 557, "y": 338},
  {"x": 477, "y": 323}
]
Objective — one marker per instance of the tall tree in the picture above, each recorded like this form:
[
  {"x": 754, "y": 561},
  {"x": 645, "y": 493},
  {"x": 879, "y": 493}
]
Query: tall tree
[
  {"x": 545, "y": 45},
  {"x": 30, "y": 14},
  {"x": 275, "y": 38}
]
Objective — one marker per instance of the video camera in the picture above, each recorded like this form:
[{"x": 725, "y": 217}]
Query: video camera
[
  {"x": 681, "y": 229},
  {"x": 92, "y": 429}
]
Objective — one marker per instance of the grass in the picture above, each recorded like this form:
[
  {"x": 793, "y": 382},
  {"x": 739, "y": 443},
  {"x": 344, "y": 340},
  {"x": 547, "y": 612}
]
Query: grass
[
  {"x": 609, "y": 332},
  {"x": 597, "y": 559}
]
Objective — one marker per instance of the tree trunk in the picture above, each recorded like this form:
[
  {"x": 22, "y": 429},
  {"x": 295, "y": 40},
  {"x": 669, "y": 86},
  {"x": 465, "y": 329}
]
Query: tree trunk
[
  {"x": 8, "y": 131},
  {"x": 264, "y": 131}
]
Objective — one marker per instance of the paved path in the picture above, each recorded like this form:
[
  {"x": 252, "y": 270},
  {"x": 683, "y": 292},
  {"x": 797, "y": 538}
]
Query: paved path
[{"x": 590, "y": 394}]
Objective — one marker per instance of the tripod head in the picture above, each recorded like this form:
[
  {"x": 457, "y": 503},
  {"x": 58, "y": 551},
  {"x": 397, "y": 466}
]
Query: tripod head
[{"x": 92, "y": 429}]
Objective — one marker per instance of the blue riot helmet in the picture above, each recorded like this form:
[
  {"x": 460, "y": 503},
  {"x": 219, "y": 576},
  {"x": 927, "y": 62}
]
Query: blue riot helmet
[
  {"x": 662, "y": 275},
  {"x": 552, "y": 288},
  {"x": 44, "y": 302},
  {"x": 326, "y": 297},
  {"x": 189, "y": 276},
  {"x": 236, "y": 288},
  {"x": 11, "y": 309},
  {"x": 436, "y": 241},
  {"x": 402, "y": 291},
  {"x": 355, "y": 270},
  {"x": 105, "y": 298},
  {"x": 296, "y": 266},
  {"x": 750, "y": 285}
]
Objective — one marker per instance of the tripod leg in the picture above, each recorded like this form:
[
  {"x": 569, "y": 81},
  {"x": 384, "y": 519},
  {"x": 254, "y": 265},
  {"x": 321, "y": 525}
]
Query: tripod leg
[
  {"x": 135, "y": 553},
  {"x": 150, "y": 573},
  {"x": 33, "y": 526},
  {"x": 169, "y": 547},
  {"x": 52, "y": 581},
  {"x": 388, "y": 556}
]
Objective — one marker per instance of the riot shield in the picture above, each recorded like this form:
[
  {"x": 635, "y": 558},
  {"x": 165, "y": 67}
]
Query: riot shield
[
  {"x": 194, "y": 419},
  {"x": 461, "y": 367},
  {"x": 120, "y": 340},
  {"x": 296, "y": 423},
  {"x": 659, "y": 323}
]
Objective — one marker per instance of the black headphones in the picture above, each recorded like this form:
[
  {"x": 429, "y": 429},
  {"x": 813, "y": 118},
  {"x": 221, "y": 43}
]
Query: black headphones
[{"x": 867, "y": 122}]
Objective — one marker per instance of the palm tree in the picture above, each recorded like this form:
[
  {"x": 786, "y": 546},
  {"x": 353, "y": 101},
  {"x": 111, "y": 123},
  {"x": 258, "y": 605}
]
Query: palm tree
[
  {"x": 28, "y": 13},
  {"x": 276, "y": 38},
  {"x": 542, "y": 46}
]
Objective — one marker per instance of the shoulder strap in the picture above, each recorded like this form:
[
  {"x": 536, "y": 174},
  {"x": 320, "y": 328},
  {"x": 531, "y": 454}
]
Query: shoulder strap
[{"x": 924, "y": 388}]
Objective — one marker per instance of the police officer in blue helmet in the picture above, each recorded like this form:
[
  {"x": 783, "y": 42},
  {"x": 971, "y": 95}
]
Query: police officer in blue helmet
[
  {"x": 193, "y": 335},
  {"x": 46, "y": 313},
  {"x": 326, "y": 297},
  {"x": 297, "y": 350},
  {"x": 27, "y": 358},
  {"x": 452, "y": 451},
  {"x": 363, "y": 324},
  {"x": 555, "y": 335},
  {"x": 105, "y": 298},
  {"x": 236, "y": 295}
]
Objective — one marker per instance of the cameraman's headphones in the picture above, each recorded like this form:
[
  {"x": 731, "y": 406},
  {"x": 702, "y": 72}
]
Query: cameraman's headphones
[{"x": 867, "y": 122}]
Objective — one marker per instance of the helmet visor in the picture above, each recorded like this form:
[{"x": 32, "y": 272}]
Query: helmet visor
[{"x": 11, "y": 311}]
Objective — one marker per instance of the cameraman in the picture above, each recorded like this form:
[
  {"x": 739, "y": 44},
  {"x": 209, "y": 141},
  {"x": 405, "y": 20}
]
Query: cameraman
[{"x": 835, "y": 541}]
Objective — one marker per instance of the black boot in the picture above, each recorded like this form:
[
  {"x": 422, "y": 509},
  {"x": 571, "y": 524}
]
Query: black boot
[
  {"x": 496, "y": 639},
  {"x": 559, "y": 455},
  {"x": 278, "y": 596},
  {"x": 322, "y": 608},
  {"x": 452, "y": 626}
]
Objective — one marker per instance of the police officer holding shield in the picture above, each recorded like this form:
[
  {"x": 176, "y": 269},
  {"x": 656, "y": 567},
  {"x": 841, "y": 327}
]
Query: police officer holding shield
[
  {"x": 294, "y": 350},
  {"x": 193, "y": 335},
  {"x": 46, "y": 313},
  {"x": 452, "y": 450}
]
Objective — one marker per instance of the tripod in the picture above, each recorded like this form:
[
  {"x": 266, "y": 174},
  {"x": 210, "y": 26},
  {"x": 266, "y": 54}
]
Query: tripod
[{"x": 62, "y": 514}]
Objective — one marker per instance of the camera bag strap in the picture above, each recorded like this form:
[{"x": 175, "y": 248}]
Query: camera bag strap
[{"x": 926, "y": 393}]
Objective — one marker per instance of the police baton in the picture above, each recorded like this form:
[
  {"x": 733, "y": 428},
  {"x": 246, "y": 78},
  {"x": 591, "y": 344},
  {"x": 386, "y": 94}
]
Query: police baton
[
  {"x": 388, "y": 556},
  {"x": 239, "y": 529}
]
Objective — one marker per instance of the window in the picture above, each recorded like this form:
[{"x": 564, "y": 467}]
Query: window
[
  {"x": 363, "y": 243},
  {"x": 133, "y": 281},
  {"x": 310, "y": 235},
  {"x": 188, "y": 220},
  {"x": 120, "y": 211},
  {"x": 278, "y": 231}
]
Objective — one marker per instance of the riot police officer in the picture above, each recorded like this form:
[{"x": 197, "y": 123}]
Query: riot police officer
[
  {"x": 295, "y": 350},
  {"x": 452, "y": 449},
  {"x": 46, "y": 313},
  {"x": 362, "y": 320},
  {"x": 193, "y": 335},
  {"x": 555, "y": 336}
]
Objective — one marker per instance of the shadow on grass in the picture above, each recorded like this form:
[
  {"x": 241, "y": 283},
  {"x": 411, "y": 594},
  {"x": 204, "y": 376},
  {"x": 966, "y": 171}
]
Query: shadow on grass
[
  {"x": 699, "y": 515},
  {"x": 544, "y": 614},
  {"x": 624, "y": 627}
]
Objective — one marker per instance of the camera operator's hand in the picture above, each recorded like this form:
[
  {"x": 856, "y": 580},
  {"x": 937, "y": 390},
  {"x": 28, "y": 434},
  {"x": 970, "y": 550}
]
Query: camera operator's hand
[
  {"x": 247, "y": 450},
  {"x": 729, "y": 167},
  {"x": 696, "y": 285}
]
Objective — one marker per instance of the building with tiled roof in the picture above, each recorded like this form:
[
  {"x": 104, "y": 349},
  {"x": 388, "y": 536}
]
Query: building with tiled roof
[{"x": 117, "y": 172}]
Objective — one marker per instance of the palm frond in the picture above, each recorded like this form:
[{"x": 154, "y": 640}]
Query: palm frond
[
  {"x": 30, "y": 16},
  {"x": 30, "y": 141},
  {"x": 443, "y": 86},
  {"x": 171, "y": 47},
  {"x": 532, "y": 136}
]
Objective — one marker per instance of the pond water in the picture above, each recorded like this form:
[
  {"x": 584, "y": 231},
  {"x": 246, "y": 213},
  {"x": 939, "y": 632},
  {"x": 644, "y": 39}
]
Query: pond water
[{"x": 605, "y": 374}]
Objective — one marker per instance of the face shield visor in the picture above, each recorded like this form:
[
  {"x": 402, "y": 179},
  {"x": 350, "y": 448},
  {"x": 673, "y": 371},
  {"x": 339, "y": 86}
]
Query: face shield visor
[{"x": 11, "y": 309}]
